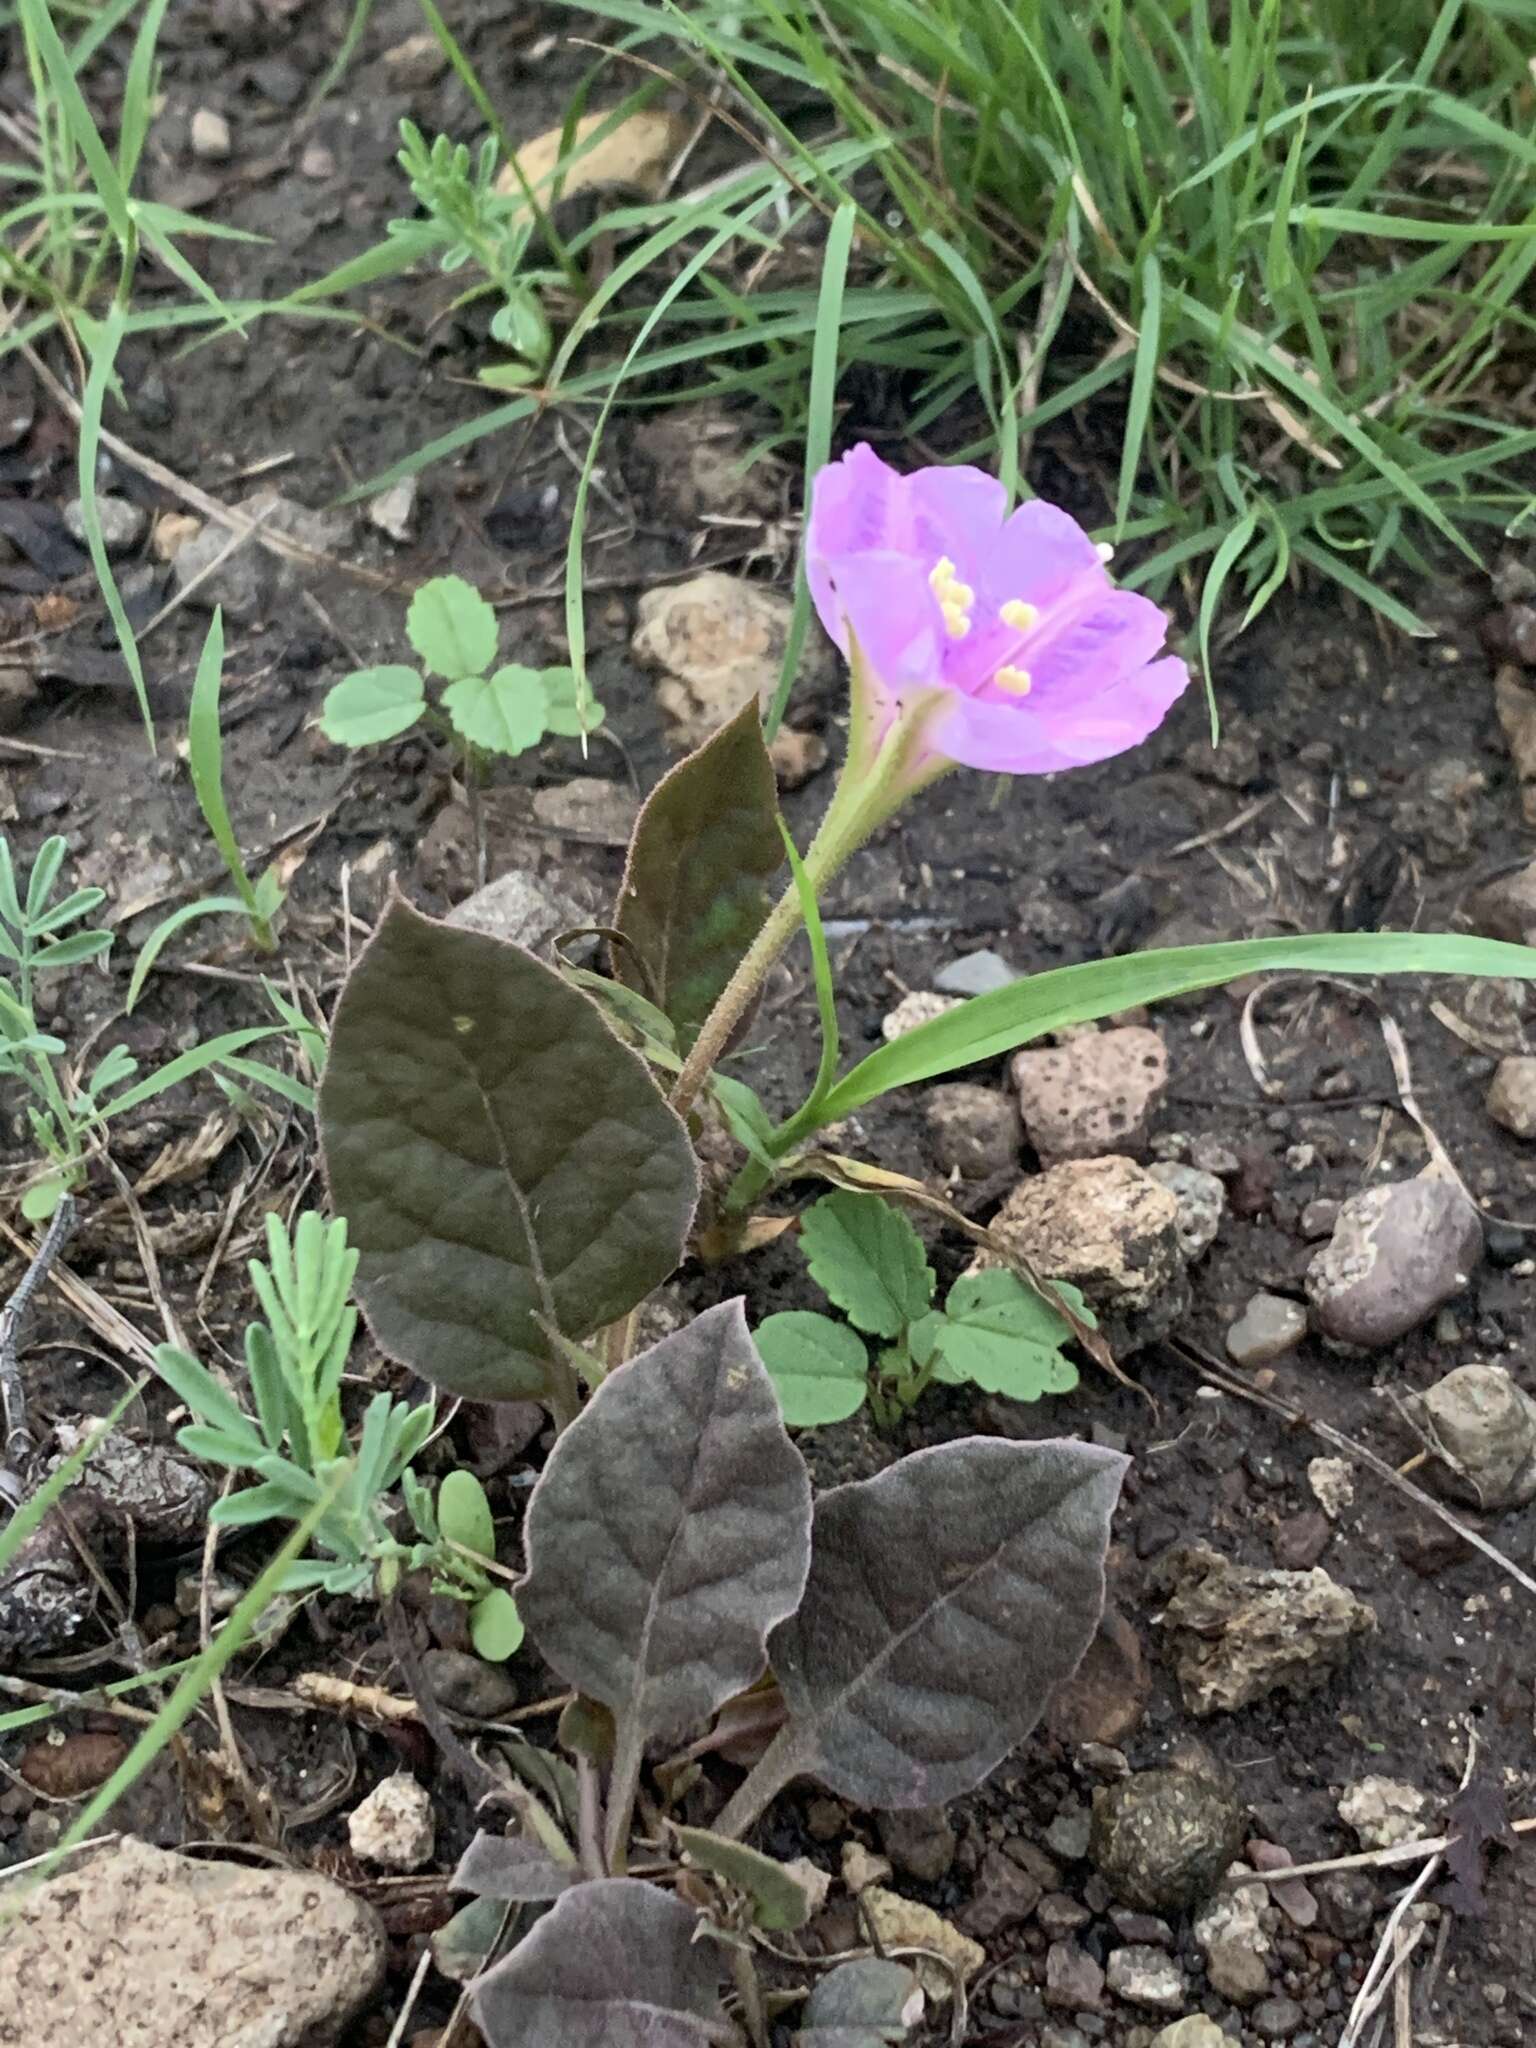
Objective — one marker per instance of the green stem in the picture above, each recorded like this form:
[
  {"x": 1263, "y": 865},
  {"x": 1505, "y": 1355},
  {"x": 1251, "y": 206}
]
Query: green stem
[{"x": 877, "y": 777}]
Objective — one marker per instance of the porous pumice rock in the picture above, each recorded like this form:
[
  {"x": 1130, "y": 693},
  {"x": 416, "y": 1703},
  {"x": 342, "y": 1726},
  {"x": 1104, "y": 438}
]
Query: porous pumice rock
[
  {"x": 135, "y": 1947},
  {"x": 1398, "y": 1252},
  {"x": 1482, "y": 1430},
  {"x": 394, "y": 1826},
  {"x": 1145, "y": 1976},
  {"x": 1092, "y": 1095},
  {"x": 1108, "y": 1227},
  {"x": 1162, "y": 1839},
  {"x": 1384, "y": 1812},
  {"x": 1235, "y": 1633}
]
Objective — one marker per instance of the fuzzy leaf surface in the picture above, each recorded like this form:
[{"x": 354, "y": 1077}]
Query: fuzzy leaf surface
[
  {"x": 498, "y": 1155},
  {"x": 780, "y": 1901},
  {"x": 613, "y": 1964},
  {"x": 509, "y": 1868},
  {"x": 668, "y": 1533},
  {"x": 694, "y": 894},
  {"x": 948, "y": 1597}
]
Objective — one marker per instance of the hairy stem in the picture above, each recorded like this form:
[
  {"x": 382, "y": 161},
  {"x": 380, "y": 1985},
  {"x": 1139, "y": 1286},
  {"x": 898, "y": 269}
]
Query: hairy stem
[{"x": 786, "y": 1758}]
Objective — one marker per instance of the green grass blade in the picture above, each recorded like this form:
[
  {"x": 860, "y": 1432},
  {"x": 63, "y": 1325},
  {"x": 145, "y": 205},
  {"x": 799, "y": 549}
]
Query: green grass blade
[
  {"x": 1143, "y": 387},
  {"x": 32, "y": 1513},
  {"x": 101, "y": 346},
  {"x": 820, "y": 417},
  {"x": 988, "y": 1026}
]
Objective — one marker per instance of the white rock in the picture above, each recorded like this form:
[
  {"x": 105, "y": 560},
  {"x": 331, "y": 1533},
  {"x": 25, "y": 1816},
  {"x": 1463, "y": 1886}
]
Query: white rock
[
  {"x": 1383, "y": 1812},
  {"x": 122, "y": 522},
  {"x": 862, "y": 1868},
  {"x": 1146, "y": 1976},
  {"x": 135, "y": 1947},
  {"x": 395, "y": 1826},
  {"x": 918, "y": 1006},
  {"x": 1196, "y": 2031},
  {"x": 1333, "y": 1485},
  {"x": 210, "y": 136},
  {"x": 392, "y": 511}
]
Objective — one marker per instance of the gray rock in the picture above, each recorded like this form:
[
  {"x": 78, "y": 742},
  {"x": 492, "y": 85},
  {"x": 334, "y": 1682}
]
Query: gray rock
[
  {"x": 1511, "y": 1099},
  {"x": 1232, "y": 1933},
  {"x": 123, "y": 524},
  {"x": 1073, "y": 1980},
  {"x": 236, "y": 584},
  {"x": 1059, "y": 1914},
  {"x": 1067, "y": 1835},
  {"x": 1267, "y": 1328},
  {"x": 1109, "y": 1228},
  {"x": 468, "y": 1685},
  {"x": 919, "y": 1841},
  {"x": 326, "y": 532},
  {"x": 1318, "y": 1217},
  {"x": 1235, "y": 1633},
  {"x": 1195, "y": 2031},
  {"x": 518, "y": 907},
  {"x": 45, "y": 1595},
  {"x": 975, "y": 1130},
  {"x": 1147, "y": 1977},
  {"x": 1506, "y": 909},
  {"x": 975, "y": 974},
  {"x": 1348, "y": 1902},
  {"x": 1002, "y": 1895},
  {"x": 1162, "y": 1839},
  {"x": 1092, "y": 1095},
  {"x": 1277, "y": 2018},
  {"x": 167, "y": 1951},
  {"x": 1483, "y": 1429},
  {"x": 1398, "y": 1252},
  {"x": 165, "y": 1497},
  {"x": 1202, "y": 1202}
]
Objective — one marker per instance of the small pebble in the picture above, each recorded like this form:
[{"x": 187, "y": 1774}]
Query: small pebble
[
  {"x": 1318, "y": 1217},
  {"x": 210, "y": 136},
  {"x": 975, "y": 974},
  {"x": 1268, "y": 1327},
  {"x": 394, "y": 1826},
  {"x": 1276, "y": 2018},
  {"x": 122, "y": 522}
]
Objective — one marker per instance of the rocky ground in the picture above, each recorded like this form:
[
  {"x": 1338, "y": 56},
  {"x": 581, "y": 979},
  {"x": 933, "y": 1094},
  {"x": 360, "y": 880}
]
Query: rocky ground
[{"x": 1301, "y": 1209}]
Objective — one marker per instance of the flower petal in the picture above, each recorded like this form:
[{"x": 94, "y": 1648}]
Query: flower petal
[
  {"x": 1013, "y": 738},
  {"x": 1039, "y": 554},
  {"x": 1091, "y": 653},
  {"x": 893, "y": 617}
]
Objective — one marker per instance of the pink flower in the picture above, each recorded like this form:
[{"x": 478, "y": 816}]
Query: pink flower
[{"x": 1043, "y": 663}]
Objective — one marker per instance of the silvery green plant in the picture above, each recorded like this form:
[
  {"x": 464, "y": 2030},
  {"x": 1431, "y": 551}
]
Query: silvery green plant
[{"x": 296, "y": 1444}]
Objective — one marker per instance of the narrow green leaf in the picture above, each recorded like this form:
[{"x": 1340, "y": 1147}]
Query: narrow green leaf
[{"x": 166, "y": 930}]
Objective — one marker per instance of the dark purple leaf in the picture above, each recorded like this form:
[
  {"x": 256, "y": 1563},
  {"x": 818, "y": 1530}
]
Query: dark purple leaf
[
  {"x": 1478, "y": 1821},
  {"x": 498, "y": 1155},
  {"x": 668, "y": 1533},
  {"x": 947, "y": 1599},
  {"x": 614, "y": 1964},
  {"x": 693, "y": 896}
]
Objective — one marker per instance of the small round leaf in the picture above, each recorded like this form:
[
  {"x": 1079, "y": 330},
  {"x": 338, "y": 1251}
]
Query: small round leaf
[
  {"x": 372, "y": 704},
  {"x": 819, "y": 1368},
  {"x": 495, "y": 1626},
  {"x": 452, "y": 628},
  {"x": 464, "y": 1514},
  {"x": 504, "y": 713}
]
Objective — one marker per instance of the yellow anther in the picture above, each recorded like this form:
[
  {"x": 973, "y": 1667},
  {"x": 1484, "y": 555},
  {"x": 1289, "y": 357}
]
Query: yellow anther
[
  {"x": 1021, "y": 616},
  {"x": 955, "y": 598},
  {"x": 1016, "y": 681}
]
